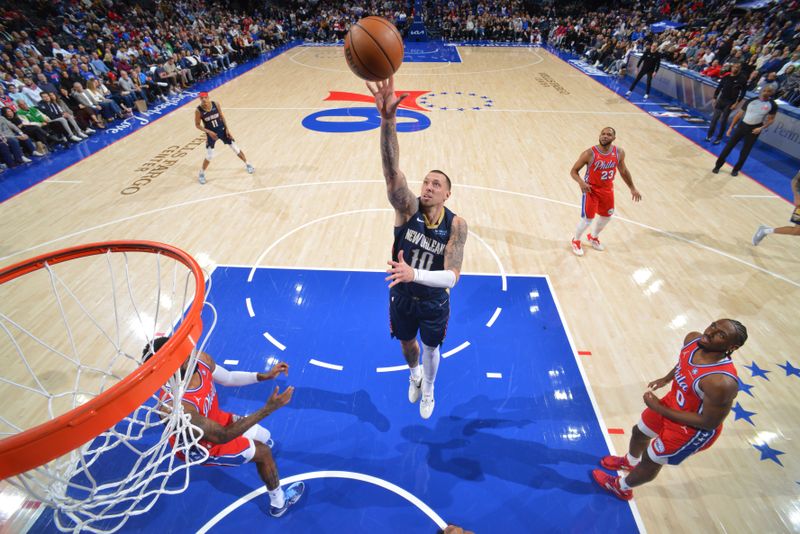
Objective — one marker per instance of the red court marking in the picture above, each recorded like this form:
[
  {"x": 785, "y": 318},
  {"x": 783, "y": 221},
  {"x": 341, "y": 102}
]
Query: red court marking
[
  {"x": 616, "y": 430},
  {"x": 584, "y": 353}
]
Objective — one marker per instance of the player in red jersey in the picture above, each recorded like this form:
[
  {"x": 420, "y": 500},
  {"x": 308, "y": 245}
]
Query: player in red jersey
[
  {"x": 686, "y": 420},
  {"x": 231, "y": 439},
  {"x": 597, "y": 186}
]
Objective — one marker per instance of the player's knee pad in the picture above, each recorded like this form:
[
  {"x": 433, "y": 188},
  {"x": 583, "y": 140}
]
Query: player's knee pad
[
  {"x": 209, "y": 153},
  {"x": 235, "y": 148}
]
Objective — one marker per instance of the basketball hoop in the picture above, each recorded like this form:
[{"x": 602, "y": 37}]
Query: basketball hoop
[{"x": 109, "y": 411}]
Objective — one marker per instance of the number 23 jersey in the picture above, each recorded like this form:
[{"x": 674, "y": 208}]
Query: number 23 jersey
[
  {"x": 601, "y": 170},
  {"x": 423, "y": 246}
]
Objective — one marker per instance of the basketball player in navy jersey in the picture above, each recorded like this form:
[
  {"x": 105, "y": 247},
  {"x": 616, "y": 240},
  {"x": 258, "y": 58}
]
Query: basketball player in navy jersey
[
  {"x": 209, "y": 119},
  {"x": 426, "y": 256}
]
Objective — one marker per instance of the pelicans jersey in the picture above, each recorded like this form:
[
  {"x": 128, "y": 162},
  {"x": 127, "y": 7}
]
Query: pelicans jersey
[
  {"x": 675, "y": 442},
  {"x": 212, "y": 119},
  {"x": 423, "y": 247},
  {"x": 413, "y": 307}
]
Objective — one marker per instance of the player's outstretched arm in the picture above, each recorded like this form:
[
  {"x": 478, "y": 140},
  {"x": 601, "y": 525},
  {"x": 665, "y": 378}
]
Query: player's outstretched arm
[
  {"x": 584, "y": 159},
  {"x": 216, "y": 433},
  {"x": 626, "y": 175},
  {"x": 400, "y": 196},
  {"x": 242, "y": 378}
]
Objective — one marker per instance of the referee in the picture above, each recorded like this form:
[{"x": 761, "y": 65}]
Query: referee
[
  {"x": 648, "y": 66},
  {"x": 749, "y": 121}
]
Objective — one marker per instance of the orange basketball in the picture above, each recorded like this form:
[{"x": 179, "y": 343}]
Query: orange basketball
[{"x": 373, "y": 49}]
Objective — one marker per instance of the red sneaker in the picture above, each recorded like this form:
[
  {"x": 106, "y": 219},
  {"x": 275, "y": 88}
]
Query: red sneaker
[
  {"x": 595, "y": 242},
  {"x": 611, "y": 484},
  {"x": 616, "y": 463}
]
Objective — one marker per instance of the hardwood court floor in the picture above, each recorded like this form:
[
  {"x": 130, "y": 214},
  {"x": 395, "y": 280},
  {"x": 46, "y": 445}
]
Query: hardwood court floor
[{"x": 675, "y": 262}]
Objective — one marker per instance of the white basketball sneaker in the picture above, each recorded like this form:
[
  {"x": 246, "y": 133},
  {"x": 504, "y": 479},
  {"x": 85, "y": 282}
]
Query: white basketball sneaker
[
  {"x": 414, "y": 389},
  {"x": 426, "y": 406},
  {"x": 595, "y": 242},
  {"x": 250, "y": 169},
  {"x": 202, "y": 177},
  {"x": 760, "y": 234},
  {"x": 576, "y": 247}
]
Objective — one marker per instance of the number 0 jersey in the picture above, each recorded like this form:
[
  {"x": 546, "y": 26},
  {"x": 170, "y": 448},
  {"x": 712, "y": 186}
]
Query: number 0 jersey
[
  {"x": 601, "y": 170},
  {"x": 423, "y": 247},
  {"x": 686, "y": 394}
]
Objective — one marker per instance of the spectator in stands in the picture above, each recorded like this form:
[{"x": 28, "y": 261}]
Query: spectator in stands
[
  {"x": 34, "y": 131},
  {"x": 53, "y": 112},
  {"x": 58, "y": 126},
  {"x": 712, "y": 71}
]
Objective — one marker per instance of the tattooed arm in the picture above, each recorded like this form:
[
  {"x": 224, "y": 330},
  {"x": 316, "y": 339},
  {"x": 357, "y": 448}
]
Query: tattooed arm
[
  {"x": 454, "y": 251},
  {"x": 403, "y": 200}
]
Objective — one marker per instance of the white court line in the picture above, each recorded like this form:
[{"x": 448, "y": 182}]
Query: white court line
[
  {"x": 249, "y": 307},
  {"x": 216, "y": 198},
  {"x": 494, "y": 317},
  {"x": 406, "y": 73},
  {"x": 62, "y": 182},
  {"x": 494, "y": 110},
  {"x": 603, "y": 428},
  {"x": 459, "y": 348},
  {"x": 494, "y": 375},
  {"x": 503, "y": 280},
  {"x": 274, "y": 341},
  {"x": 413, "y": 499},
  {"x": 306, "y": 225},
  {"x": 391, "y": 369},
  {"x": 231, "y": 362},
  {"x": 326, "y": 365}
]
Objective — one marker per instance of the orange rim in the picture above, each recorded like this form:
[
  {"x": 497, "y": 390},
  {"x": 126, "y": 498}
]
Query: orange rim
[{"x": 46, "y": 442}]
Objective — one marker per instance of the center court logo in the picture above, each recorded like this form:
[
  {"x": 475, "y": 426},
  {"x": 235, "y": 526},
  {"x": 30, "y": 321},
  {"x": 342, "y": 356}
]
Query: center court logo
[{"x": 362, "y": 119}]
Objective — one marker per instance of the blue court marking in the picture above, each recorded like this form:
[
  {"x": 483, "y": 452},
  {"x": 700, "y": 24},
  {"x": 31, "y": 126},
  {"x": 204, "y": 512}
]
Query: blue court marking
[
  {"x": 430, "y": 52},
  {"x": 507, "y": 454}
]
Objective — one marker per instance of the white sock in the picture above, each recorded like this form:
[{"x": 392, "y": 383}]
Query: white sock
[
  {"x": 582, "y": 226},
  {"x": 416, "y": 373},
  {"x": 622, "y": 484},
  {"x": 769, "y": 230},
  {"x": 601, "y": 223},
  {"x": 430, "y": 365},
  {"x": 276, "y": 497},
  {"x": 633, "y": 460}
]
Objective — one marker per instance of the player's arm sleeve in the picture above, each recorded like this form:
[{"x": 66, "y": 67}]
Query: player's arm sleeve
[
  {"x": 233, "y": 378},
  {"x": 444, "y": 279}
]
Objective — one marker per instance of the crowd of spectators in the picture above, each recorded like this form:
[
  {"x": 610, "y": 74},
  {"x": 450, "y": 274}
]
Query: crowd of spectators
[{"x": 68, "y": 68}]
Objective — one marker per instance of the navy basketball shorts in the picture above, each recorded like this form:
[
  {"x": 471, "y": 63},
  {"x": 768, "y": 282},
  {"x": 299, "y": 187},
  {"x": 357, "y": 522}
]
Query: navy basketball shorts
[
  {"x": 408, "y": 315},
  {"x": 222, "y": 135}
]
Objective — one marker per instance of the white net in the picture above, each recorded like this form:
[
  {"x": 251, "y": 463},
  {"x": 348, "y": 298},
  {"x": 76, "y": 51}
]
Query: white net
[{"x": 68, "y": 333}]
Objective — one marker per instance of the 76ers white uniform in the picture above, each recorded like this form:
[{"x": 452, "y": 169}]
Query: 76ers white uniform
[{"x": 673, "y": 441}]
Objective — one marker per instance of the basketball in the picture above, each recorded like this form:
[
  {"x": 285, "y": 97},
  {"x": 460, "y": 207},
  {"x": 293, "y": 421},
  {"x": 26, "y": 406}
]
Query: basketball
[{"x": 373, "y": 49}]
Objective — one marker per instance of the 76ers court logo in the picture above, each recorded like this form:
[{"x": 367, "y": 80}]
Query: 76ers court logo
[{"x": 362, "y": 119}]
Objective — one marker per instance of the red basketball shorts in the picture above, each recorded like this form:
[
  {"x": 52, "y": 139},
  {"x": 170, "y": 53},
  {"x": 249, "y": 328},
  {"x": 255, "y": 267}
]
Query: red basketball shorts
[
  {"x": 597, "y": 202},
  {"x": 672, "y": 442}
]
